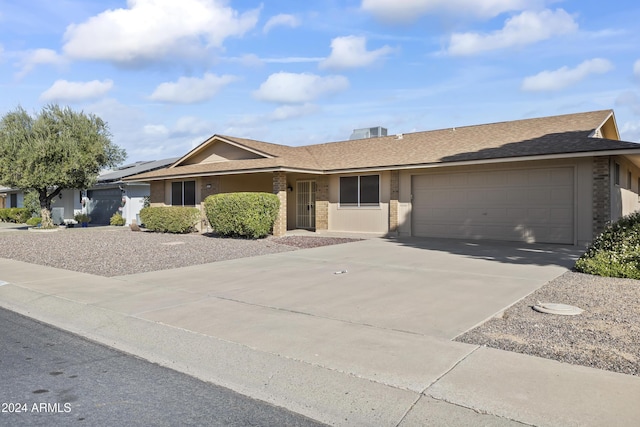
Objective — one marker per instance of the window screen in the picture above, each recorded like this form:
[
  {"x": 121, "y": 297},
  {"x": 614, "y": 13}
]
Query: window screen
[
  {"x": 360, "y": 190},
  {"x": 176, "y": 193},
  {"x": 183, "y": 193},
  {"x": 369, "y": 190},
  {"x": 349, "y": 191},
  {"x": 189, "y": 193}
]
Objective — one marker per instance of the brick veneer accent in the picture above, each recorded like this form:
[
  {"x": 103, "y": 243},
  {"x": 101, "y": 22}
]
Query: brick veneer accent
[
  {"x": 322, "y": 203},
  {"x": 601, "y": 193},
  {"x": 280, "y": 189},
  {"x": 156, "y": 193},
  {"x": 213, "y": 182},
  {"x": 393, "y": 203}
]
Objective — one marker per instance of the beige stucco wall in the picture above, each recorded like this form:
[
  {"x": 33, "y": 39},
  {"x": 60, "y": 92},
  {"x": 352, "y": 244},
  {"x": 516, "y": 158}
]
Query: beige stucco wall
[
  {"x": 582, "y": 196},
  {"x": 220, "y": 152},
  {"x": 624, "y": 197},
  {"x": 261, "y": 182},
  {"x": 363, "y": 219}
]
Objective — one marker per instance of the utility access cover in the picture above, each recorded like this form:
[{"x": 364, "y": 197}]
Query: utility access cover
[{"x": 556, "y": 308}]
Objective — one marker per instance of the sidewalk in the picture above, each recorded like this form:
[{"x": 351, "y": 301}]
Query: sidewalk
[{"x": 342, "y": 349}]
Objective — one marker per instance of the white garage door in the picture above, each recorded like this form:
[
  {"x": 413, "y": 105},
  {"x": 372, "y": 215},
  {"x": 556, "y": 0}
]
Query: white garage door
[{"x": 530, "y": 205}]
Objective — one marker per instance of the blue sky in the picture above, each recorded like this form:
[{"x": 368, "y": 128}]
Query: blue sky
[{"x": 168, "y": 74}]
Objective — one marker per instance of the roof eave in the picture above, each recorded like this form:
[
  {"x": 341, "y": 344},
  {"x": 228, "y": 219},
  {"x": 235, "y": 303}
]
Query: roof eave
[{"x": 486, "y": 161}]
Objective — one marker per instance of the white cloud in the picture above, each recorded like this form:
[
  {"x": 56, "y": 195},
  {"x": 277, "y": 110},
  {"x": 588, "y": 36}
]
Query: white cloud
[
  {"x": 636, "y": 68},
  {"x": 351, "y": 52},
  {"x": 155, "y": 131},
  {"x": 291, "y": 88},
  {"x": 409, "y": 10},
  {"x": 520, "y": 30},
  {"x": 189, "y": 90},
  {"x": 36, "y": 57},
  {"x": 285, "y": 112},
  {"x": 630, "y": 131},
  {"x": 151, "y": 30},
  {"x": 565, "y": 76},
  {"x": 282, "y": 20},
  {"x": 65, "y": 91}
]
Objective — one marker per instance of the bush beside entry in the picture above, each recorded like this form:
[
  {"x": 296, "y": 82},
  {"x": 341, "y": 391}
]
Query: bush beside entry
[
  {"x": 170, "y": 219},
  {"x": 249, "y": 215},
  {"x": 616, "y": 251}
]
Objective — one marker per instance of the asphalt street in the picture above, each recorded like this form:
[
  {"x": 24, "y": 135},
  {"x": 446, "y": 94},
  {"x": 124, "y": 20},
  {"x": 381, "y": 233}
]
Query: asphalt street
[{"x": 50, "y": 377}]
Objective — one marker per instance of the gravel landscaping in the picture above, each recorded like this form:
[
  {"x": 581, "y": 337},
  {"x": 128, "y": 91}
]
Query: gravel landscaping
[
  {"x": 605, "y": 336},
  {"x": 115, "y": 251}
]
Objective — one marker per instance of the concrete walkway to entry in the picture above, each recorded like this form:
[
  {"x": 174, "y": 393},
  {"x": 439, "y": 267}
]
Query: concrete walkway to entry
[{"x": 352, "y": 334}]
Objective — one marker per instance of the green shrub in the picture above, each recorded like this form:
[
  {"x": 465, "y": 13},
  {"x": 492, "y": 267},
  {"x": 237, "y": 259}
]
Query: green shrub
[
  {"x": 616, "y": 251},
  {"x": 249, "y": 215},
  {"x": 170, "y": 219},
  {"x": 81, "y": 217},
  {"x": 17, "y": 215},
  {"x": 34, "y": 221},
  {"x": 117, "y": 219}
]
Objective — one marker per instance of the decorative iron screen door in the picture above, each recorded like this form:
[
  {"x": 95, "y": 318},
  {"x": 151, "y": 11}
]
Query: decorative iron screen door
[{"x": 306, "y": 204}]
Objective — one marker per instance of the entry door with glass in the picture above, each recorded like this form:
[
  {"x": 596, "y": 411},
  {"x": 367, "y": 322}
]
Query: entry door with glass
[{"x": 306, "y": 204}]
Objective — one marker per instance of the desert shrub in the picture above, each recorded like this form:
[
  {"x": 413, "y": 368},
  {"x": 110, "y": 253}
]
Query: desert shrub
[
  {"x": 117, "y": 219},
  {"x": 170, "y": 219},
  {"x": 249, "y": 215},
  {"x": 34, "y": 221},
  {"x": 616, "y": 251},
  {"x": 82, "y": 217},
  {"x": 17, "y": 215}
]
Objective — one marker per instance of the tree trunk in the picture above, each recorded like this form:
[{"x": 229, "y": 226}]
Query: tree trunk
[
  {"x": 45, "y": 215},
  {"x": 45, "y": 209}
]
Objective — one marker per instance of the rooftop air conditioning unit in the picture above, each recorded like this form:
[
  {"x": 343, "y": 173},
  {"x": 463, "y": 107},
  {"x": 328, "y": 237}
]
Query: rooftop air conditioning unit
[{"x": 364, "y": 133}]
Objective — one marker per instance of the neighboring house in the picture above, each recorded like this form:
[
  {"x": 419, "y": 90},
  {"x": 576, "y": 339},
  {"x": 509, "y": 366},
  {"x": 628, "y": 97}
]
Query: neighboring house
[
  {"x": 111, "y": 194},
  {"x": 11, "y": 198},
  {"x": 108, "y": 196},
  {"x": 3, "y": 197},
  {"x": 553, "y": 179}
]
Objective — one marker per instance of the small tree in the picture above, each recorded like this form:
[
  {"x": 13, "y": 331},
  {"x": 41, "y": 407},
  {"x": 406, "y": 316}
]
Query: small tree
[{"x": 55, "y": 150}]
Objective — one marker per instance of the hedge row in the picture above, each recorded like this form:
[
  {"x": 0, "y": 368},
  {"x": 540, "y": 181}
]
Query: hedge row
[
  {"x": 17, "y": 215},
  {"x": 249, "y": 215},
  {"x": 616, "y": 251},
  {"x": 170, "y": 219}
]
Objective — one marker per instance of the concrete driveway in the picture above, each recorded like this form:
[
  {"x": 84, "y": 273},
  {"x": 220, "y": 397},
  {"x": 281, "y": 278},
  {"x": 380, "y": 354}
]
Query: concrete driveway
[
  {"x": 436, "y": 288},
  {"x": 371, "y": 345}
]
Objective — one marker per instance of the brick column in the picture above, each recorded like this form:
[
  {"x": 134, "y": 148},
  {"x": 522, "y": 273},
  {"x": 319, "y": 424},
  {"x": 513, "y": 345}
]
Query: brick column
[
  {"x": 601, "y": 193},
  {"x": 156, "y": 193},
  {"x": 280, "y": 189},
  {"x": 209, "y": 185},
  {"x": 393, "y": 202},
  {"x": 322, "y": 203}
]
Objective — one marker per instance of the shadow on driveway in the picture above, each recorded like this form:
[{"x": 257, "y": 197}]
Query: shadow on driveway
[{"x": 499, "y": 251}]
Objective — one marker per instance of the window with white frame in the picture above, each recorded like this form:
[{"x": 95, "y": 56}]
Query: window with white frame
[
  {"x": 360, "y": 191},
  {"x": 183, "y": 193},
  {"x": 616, "y": 174},
  {"x": 629, "y": 177}
]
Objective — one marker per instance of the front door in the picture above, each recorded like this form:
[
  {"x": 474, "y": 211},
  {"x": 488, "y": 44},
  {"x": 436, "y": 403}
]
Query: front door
[{"x": 306, "y": 204}]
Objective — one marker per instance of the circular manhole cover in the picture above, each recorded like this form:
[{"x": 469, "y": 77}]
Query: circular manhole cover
[{"x": 556, "y": 308}]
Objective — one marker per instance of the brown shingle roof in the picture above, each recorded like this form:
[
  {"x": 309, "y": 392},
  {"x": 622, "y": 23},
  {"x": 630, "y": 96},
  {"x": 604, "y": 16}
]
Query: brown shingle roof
[{"x": 521, "y": 138}]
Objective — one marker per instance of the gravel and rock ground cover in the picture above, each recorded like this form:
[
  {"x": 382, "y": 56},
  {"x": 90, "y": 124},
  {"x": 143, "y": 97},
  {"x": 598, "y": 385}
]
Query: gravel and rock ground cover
[
  {"x": 115, "y": 251},
  {"x": 605, "y": 336}
]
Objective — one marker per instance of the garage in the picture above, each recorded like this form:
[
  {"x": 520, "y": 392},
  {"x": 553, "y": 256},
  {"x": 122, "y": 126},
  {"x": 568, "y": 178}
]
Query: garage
[
  {"x": 526, "y": 205},
  {"x": 103, "y": 203}
]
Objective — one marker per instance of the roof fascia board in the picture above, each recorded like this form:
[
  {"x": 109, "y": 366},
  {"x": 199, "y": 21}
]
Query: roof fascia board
[{"x": 487, "y": 161}]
